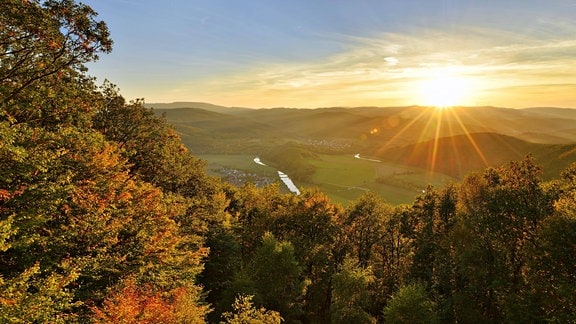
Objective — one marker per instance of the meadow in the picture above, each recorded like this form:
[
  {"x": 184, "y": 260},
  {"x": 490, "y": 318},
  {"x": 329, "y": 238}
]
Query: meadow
[
  {"x": 341, "y": 177},
  {"x": 417, "y": 146}
]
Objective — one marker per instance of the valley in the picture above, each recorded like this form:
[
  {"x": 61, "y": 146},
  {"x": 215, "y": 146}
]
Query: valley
[{"x": 403, "y": 149}]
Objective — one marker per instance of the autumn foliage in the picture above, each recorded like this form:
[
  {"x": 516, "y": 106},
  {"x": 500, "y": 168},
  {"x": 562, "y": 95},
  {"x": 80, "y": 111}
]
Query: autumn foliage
[
  {"x": 133, "y": 303},
  {"x": 106, "y": 217}
]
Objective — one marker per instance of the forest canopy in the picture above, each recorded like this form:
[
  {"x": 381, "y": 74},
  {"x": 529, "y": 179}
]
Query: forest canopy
[{"x": 106, "y": 217}]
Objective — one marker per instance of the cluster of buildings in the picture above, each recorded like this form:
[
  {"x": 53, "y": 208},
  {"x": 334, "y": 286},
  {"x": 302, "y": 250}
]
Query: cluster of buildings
[{"x": 239, "y": 178}]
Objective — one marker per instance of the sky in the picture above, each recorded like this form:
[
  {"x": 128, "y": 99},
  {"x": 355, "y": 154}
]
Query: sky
[{"x": 345, "y": 53}]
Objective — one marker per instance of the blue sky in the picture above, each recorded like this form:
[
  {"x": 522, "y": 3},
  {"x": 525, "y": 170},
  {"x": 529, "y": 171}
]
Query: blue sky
[{"x": 319, "y": 53}]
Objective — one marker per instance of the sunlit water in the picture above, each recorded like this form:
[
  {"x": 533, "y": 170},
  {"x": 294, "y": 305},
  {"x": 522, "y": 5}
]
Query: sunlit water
[{"x": 283, "y": 176}]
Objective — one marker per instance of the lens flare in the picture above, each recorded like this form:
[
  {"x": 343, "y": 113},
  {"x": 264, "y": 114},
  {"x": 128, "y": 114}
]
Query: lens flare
[{"x": 444, "y": 91}]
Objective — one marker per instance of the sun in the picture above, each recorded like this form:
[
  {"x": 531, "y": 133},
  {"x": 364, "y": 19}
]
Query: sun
[{"x": 444, "y": 91}]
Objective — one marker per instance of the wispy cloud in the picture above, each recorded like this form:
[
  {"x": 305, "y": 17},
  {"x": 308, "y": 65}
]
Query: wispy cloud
[{"x": 381, "y": 70}]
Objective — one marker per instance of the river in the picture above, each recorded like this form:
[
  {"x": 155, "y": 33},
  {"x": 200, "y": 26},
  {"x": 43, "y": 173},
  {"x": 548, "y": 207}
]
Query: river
[
  {"x": 283, "y": 176},
  {"x": 365, "y": 159},
  {"x": 290, "y": 184}
]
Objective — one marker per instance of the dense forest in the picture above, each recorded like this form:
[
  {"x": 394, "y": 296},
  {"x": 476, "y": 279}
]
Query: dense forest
[{"x": 106, "y": 217}]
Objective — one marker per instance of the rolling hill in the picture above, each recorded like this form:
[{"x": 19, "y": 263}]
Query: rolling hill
[
  {"x": 396, "y": 126},
  {"x": 458, "y": 155},
  {"x": 452, "y": 142}
]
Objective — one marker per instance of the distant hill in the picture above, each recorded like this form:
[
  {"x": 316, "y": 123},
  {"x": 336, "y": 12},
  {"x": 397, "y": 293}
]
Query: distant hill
[
  {"x": 539, "y": 125},
  {"x": 569, "y": 113},
  {"x": 200, "y": 105},
  {"x": 461, "y": 138},
  {"x": 215, "y": 123},
  {"x": 458, "y": 155},
  {"x": 404, "y": 125},
  {"x": 208, "y": 131}
]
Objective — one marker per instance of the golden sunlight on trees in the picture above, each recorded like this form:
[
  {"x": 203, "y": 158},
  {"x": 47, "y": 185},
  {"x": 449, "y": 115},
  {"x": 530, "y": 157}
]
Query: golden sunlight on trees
[
  {"x": 245, "y": 312},
  {"x": 76, "y": 218},
  {"x": 350, "y": 295},
  {"x": 43, "y": 46},
  {"x": 105, "y": 217},
  {"x": 133, "y": 303}
]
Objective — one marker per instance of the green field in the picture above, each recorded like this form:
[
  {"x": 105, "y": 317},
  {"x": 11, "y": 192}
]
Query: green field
[
  {"x": 345, "y": 178},
  {"x": 342, "y": 177},
  {"x": 241, "y": 162},
  {"x": 316, "y": 147}
]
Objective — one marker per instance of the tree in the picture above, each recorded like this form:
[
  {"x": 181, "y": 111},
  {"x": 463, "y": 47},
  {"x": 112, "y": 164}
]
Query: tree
[
  {"x": 277, "y": 277},
  {"x": 364, "y": 226},
  {"x": 43, "y": 46},
  {"x": 443, "y": 284},
  {"x": 220, "y": 269},
  {"x": 152, "y": 146},
  {"x": 501, "y": 210},
  {"x": 552, "y": 270},
  {"x": 34, "y": 185},
  {"x": 133, "y": 303},
  {"x": 552, "y": 263},
  {"x": 351, "y": 295},
  {"x": 72, "y": 201},
  {"x": 245, "y": 313},
  {"x": 76, "y": 217},
  {"x": 392, "y": 257},
  {"x": 32, "y": 297},
  {"x": 156, "y": 155},
  {"x": 410, "y": 304},
  {"x": 273, "y": 277},
  {"x": 432, "y": 218},
  {"x": 423, "y": 217},
  {"x": 311, "y": 223}
]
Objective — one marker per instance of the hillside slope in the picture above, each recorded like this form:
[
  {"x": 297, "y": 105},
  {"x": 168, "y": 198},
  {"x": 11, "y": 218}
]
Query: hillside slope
[
  {"x": 458, "y": 155},
  {"x": 453, "y": 141}
]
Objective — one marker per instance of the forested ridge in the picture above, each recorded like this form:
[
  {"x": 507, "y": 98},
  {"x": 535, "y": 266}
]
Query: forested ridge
[{"x": 106, "y": 217}]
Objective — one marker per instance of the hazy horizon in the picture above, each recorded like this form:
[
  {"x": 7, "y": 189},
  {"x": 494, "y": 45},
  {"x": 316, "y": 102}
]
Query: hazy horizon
[
  {"x": 351, "y": 107},
  {"x": 260, "y": 54}
]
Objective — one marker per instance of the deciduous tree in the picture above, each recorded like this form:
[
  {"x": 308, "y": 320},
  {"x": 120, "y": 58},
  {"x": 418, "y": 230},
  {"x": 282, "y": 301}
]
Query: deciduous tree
[
  {"x": 411, "y": 304},
  {"x": 44, "y": 45},
  {"x": 501, "y": 210},
  {"x": 351, "y": 294},
  {"x": 245, "y": 312}
]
